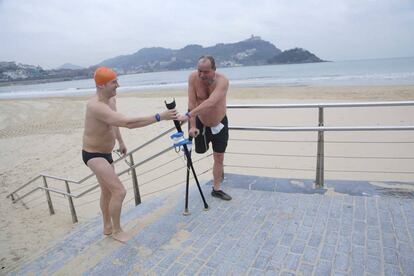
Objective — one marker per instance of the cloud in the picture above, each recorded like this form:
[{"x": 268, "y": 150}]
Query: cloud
[{"x": 52, "y": 32}]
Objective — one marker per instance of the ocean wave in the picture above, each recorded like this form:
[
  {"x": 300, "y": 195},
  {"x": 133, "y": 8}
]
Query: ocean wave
[
  {"x": 368, "y": 72},
  {"x": 46, "y": 93}
]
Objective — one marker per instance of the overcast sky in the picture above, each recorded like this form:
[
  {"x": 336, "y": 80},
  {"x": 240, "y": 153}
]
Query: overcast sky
[{"x": 50, "y": 33}]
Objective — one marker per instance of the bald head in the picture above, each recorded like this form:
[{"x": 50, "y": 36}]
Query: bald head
[{"x": 207, "y": 61}]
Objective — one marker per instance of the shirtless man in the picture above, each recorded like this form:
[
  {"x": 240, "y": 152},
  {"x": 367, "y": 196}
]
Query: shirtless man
[
  {"x": 207, "y": 118},
  {"x": 102, "y": 122}
]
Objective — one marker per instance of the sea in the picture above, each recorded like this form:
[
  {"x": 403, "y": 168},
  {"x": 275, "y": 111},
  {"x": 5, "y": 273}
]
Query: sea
[{"x": 389, "y": 71}]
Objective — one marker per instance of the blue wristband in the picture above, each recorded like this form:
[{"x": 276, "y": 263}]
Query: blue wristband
[
  {"x": 158, "y": 117},
  {"x": 188, "y": 115}
]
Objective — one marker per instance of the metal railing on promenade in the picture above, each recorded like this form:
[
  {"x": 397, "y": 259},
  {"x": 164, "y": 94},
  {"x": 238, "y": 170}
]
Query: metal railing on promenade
[
  {"x": 319, "y": 180},
  {"x": 67, "y": 192},
  {"x": 321, "y": 129}
]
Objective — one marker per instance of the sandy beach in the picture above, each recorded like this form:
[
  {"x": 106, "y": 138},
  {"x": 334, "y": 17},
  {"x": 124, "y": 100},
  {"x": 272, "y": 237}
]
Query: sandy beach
[{"x": 44, "y": 135}]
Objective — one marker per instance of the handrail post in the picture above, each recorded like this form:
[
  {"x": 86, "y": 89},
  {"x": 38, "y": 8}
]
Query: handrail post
[
  {"x": 48, "y": 198},
  {"x": 135, "y": 182},
  {"x": 319, "y": 182},
  {"x": 71, "y": 206}
]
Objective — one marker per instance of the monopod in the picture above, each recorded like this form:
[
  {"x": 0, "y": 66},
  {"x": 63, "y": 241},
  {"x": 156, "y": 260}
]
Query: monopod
[{"x": 187, "y": 153}]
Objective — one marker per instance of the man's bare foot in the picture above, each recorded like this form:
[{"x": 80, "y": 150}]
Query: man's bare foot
[
  {"x": 107, "y": 230},
  {"x": 121, "y": 236}
]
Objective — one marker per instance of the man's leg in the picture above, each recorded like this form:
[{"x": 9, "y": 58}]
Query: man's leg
[
  {"x": 219, "y": 147},
  {"x": 217, "y": 175},
  {"x": 104, "y": 203},
  {"x": 218, "y": 169},
  {"x": 106, "y": 173}
]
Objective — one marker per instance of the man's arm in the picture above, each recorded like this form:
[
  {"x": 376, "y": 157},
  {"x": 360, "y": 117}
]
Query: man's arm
[
  {"x": 121, "y": 144},
  {"x": 192, "y": 100},
  {"x": 105, "y": 114}
]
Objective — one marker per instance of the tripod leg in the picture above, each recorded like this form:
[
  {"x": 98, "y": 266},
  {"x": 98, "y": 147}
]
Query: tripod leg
[
  {"x": 186, "y": 212},
  {"x": 187, "y": 153}
]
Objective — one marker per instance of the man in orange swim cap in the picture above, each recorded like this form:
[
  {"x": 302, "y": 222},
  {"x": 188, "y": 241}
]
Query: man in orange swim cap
[{"x": 102, "y": 122}]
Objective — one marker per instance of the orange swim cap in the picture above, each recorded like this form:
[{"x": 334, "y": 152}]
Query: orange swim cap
[{"x": 103, "y": 75}]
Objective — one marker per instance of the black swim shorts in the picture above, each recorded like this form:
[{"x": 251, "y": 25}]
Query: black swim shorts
[
  {"x": 86, "y": 156},
  {"x": 219, "y": 140}
]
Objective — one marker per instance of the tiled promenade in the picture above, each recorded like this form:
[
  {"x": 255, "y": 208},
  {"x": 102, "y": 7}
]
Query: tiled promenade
[{"x": 271, "y": 227}]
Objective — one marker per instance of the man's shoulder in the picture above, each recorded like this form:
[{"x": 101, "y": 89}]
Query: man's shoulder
[
  {"x": 221, "y": 76},
  {"x": 92, "y": 102},
  {"x": 193, "y": 76},
  {"x": 95, "y": 106}
]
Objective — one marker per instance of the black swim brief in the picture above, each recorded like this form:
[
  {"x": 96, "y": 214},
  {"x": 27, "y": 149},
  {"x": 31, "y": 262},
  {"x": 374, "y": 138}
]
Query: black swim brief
[
  {"x": 219, "y": 140},
  {"x": 86, "y": 156}
]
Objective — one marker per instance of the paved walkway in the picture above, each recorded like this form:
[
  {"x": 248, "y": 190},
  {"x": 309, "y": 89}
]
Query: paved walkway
[{"x": 271, "y": 227}]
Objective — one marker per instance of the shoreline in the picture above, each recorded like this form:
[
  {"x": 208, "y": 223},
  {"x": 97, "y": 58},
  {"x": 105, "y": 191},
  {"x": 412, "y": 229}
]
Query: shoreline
[
  {"x": 305, "y": 92},
  {"x": 69, "y": 78}
]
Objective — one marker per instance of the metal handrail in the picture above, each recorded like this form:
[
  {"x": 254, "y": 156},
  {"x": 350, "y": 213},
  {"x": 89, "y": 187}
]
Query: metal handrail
[
  {"x": 92, "y": 188},
  {"x": 70, "y": 195},
  {"x": 343, "y": 128},
  {"x": 320, "y": 151},
  {"x": 128, "y": 169},
  {"x": 23, "y": 186},
  {"x": 96, "y": 186},
  {"x": 90, "y": 175},
  {"x": 319, "y": 182},
  {"x": 317, "y": 105},
  {"x": 61, "y": 178}
]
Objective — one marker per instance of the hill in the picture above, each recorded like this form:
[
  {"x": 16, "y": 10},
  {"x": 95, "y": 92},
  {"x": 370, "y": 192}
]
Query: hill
[
  {"x": 249, "y": 52},
  {"x": 296, "y": 55},
  {"x": 70, "y": 66},
  {"x": 252, "y": 51}
]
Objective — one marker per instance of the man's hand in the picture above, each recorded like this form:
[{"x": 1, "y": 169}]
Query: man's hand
[
  {"x": 183, "y": 118},
  {"x": 122, "y": 149},
  {"x": 193, "y": 132},
  {"x": 170, "y": 114}
]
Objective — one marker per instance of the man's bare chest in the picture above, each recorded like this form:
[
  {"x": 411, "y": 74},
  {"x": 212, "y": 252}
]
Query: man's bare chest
[
  {"x": 203, "y": 93},
  {"x": 98, "y": 127}
]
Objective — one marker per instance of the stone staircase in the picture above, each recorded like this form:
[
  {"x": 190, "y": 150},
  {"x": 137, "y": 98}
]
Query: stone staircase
[{"x": 272, "y": 226}]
